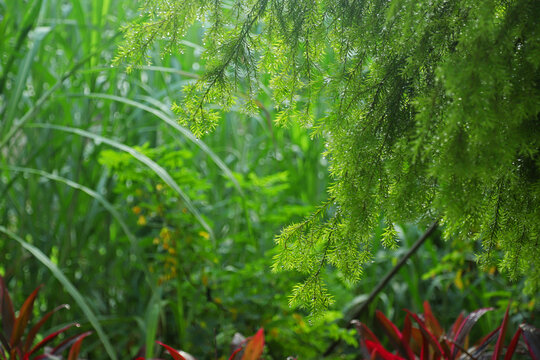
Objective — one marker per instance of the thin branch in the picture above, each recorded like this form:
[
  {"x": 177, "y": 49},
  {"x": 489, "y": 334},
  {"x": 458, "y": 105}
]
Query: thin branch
[{"x": 385, "y": 281}]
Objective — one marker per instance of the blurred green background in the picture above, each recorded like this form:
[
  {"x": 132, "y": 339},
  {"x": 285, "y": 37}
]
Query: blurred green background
[{"x": 169, "y": 237}]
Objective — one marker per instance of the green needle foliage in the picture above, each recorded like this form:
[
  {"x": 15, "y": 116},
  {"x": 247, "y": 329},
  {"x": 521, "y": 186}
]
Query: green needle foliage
[{"x": 431, "y": 111}]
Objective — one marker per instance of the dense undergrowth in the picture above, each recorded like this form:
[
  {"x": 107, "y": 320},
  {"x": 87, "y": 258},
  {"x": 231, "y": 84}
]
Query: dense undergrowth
[{"x": 151, "y": 234}]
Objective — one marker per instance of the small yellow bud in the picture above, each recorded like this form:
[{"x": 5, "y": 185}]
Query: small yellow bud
[{"x": 141, "y": 221}]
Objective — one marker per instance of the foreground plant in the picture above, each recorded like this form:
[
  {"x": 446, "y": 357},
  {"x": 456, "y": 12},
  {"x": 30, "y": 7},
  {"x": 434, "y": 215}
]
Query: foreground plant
[
  {"x": 17, "y": 338},
  {"x": 251, "y": 349},
  {"x": 428, "y": 340}
]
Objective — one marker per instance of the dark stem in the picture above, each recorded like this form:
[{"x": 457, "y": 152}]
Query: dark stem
[{"x": 385, "y": 281}]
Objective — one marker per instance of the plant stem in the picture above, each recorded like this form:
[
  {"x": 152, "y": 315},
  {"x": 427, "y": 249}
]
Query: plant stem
[{"x": 385, "y": 281}]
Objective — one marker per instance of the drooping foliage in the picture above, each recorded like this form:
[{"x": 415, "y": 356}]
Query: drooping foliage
[{"x": 431, "y": 111}]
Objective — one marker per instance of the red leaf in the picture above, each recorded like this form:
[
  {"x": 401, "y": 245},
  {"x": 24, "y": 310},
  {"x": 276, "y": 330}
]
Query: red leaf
[
  {"x": 377, "y": 349},
  {"x": 465, "y": 328},
  {"x": 513, "y": 345},
  {"x": 431, "y": 322},
  {"x": 50, "y": 337},
  {"x": 427, "y": 335},
  {"x": 5, "y": 343},
  {"x": 255, "y": 346},
  {"x": 174, "y": 353},
  {"x": 67, "y": 343},
  {"x": 484, "y": 342},
  {"x": 35, "y": 329},
  {"x": 395, "y": 335},
  {"x": 502, "y": 333},
  {"x": 22, "y": 319},
  {"x": 532, "y": 339},
  {"x": 364, "y": 334},
  {"x": 235, "y": 352},
  {"x": 76, "y": 348},
  {"x": 455, "y": 327},
  {"x": 7, "y": 312}
]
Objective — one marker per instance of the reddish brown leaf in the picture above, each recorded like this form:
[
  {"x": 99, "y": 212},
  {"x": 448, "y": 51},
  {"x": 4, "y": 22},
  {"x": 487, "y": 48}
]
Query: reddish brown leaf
[
  {"x": 22, "y": 320},
  {"x": 6, "y": 309},
  {"x": 174, "y": 353},
  {"x": 50, "y": 337},
  {"x": 427, "y": 335},
  {"x": 76, "y": 348},
  {"x": 377, "y": 350},
  {"x": 395, "y": 335},
  {"x": 35, "y": 329},
  {"x": 513, "y": 345},
  {"x": 502, "y": 333},
  {"x": 455, "y": 326},
  {"x": 532, "y": 340},
  {"x": 255, "y": 346},
  {"x": 59, "y": 349},
  {"x": 235, "y": 352},
  {"x": 431, "y": 322},
  {"x": 5, "y": 343},
  {"x": 464, "y": 329}
]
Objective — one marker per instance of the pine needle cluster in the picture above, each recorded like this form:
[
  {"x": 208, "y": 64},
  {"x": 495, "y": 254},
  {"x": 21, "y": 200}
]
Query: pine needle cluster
[{"x": 431, "y": 111}]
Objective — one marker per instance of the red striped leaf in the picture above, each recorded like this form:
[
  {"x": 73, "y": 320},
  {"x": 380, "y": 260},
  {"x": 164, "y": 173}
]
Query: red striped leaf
[
  {"x": 431, "y": 322},
  {"x": 76, "y": 348},
  {"x": 513, "y": 345},
  {"x": 59, "y": 349},
  {"x": 502, "y": 333},
  {"x": 24, "y": 316},
  {"x": 395, "y": 335},
  {"x": 50, "y": 337},
  {"x": 377, "y": 350},
  {"x": 235, "y": 352},
  {"x": 532, "y": 340},
  {"x": 255, "y": 346},
  {"x": 465, "y": 327},
  {"x": 427, "y": 335},
  {"x": 7, "y": 312},
  {"x": 35, "y": 329},
  {"x": 174, "y": 353}
]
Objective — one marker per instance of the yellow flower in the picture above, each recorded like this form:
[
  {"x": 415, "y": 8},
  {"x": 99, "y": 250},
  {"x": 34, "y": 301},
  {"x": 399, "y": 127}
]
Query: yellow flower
[
  {"x": 165, "y": 234},
  {"x": 204, "y": 234},
  {"x": 141, "y": 221},
  {"x": 458, "y": 280},
  {"x": 159, "y": 187},
  {"x": 136, "y": 210}
]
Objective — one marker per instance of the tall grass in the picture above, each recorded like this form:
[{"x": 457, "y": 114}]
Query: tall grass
[{"x": 68, "y": 220}]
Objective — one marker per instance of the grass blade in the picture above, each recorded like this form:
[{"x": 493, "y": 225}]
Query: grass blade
[
  {"x": 70, "y": 288},
  {"x": 99, "y": 198},
  {"x": 151, "y": 322},
  {"x": 158, "y": 170},
  {"x": 169, "y": 120},
  {"x": 22, "y": 75}
]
